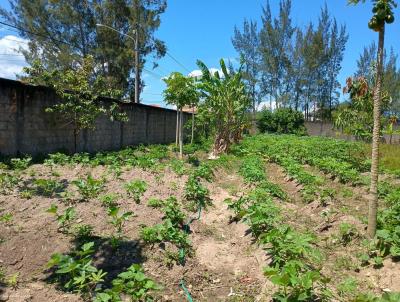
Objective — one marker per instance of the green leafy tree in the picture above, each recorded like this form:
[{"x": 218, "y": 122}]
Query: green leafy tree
[
  {"x": 181, "y": 91},
  {"x": 247, "y": 43},
  {"x": 80, "y": 91},
  {"x": 355, "y": 117},
  {"x": 282, "y": 120},
  {"x": 382, "y": 13},
  {"x": 225, "y": 106},
  {"x": 62, "y": 33}
]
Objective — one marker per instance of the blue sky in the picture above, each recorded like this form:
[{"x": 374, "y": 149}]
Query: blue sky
[{"x": 203, "y": 29}]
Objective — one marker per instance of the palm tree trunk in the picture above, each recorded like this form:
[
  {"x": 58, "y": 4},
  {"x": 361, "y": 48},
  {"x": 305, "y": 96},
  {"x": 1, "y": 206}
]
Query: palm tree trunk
[{"x": 373, "y": 203}]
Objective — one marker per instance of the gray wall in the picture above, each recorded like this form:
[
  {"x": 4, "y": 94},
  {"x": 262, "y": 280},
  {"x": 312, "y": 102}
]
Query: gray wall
[
  {"x": 25, "y": 127},
  {"x": 326, "y": 129}
]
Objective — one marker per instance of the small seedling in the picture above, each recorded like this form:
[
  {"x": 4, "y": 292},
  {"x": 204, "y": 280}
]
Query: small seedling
[
  {"x": 117, "y": 220},
  {"x": 109, "y": 200},
  {"x": 48, "y": 187},
  {"x": 155, "y": 203},
  {"x": 132, "y": 283},
  {"x": 20, "y": 164},
  {"x": 65, "y": 219},
  {"x": 76, "y": 271},
  {"x": 12, "y": 281},
  {"x": 6, "y": 218},
  {"x": 136, "y": 189},
  {"x": 89, "y": 188},
  {"x": 26, "y": 194},
  {"x": 347, "y": 232}
]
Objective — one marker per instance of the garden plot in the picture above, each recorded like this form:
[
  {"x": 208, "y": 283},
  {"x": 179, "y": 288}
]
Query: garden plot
[{"x": 272, "y": 220}]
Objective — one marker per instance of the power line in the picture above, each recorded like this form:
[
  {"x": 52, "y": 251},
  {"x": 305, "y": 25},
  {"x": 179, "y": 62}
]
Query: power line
[{"x": 36, "y": 34}]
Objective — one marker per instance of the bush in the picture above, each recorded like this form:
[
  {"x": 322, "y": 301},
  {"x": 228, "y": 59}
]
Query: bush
[{"x": 282, "y": 120}]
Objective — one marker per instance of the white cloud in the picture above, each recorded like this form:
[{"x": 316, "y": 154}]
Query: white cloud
[
  {"x": 198, "y": 73},
  {"x": 266, "y": 105},
  {"x": 11, "y": 61}
]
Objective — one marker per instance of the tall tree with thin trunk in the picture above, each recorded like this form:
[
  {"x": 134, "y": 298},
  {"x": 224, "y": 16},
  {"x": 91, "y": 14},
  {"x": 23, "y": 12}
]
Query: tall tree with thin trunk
[
  {"x": 383, "y": 13},
  {"x": 181, "y": 91}
]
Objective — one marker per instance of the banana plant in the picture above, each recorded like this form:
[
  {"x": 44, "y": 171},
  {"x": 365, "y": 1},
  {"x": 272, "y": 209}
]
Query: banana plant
[{"x": 226, "y": 105}]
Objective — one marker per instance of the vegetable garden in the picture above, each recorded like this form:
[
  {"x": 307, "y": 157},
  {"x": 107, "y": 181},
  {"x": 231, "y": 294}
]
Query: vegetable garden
[{"x": 280, "y": 217}]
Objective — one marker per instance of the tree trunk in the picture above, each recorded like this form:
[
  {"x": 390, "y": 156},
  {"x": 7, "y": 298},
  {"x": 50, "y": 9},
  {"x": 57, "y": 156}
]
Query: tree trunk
[
  {"x": 181, "y": 135},
  {"x": 177, "y": 127},
  {"x": 191, "y": 139},
  {"x": 373, "y": 203}
]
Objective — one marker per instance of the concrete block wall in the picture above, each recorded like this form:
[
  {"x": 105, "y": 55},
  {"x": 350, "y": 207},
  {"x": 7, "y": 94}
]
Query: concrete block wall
[{"x": 25, "y": 127}]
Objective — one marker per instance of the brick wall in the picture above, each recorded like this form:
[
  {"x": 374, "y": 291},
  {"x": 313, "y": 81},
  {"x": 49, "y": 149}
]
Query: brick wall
[{"x": 25, "y": 127}]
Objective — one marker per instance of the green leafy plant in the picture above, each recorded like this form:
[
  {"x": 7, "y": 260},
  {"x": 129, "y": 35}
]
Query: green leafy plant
[
  {"x": 47, "y": 187},
  {"x": 155, "y": 202},
  {"x": 6, "y": 218},
  {"x": 76, "y": 272},
  {"x": 282, "y": 120},
  {"x": 20, "y": 163},
  {"x": 296, "y": 282},
  {"x": 12, "y": 280},
  {"x": 118, "y": 219},
  {"x": 196, "y": 193},
  {"x": 347, "y": 233},
  {"x": 132, "y": 283},
  {"x": 109, "y": 200},
  {"x": 89, "y": 188},
  {"x": 65, "y": 219},
  {"x": 136, "y": 189},
  {"x": 8, "y": 182}
]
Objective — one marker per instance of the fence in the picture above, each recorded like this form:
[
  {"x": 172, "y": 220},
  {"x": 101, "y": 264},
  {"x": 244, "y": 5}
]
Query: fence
[{"x": 326, "y": 129}]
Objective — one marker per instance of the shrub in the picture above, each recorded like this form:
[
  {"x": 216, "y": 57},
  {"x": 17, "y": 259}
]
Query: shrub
[{"x": 282, "y": 120}]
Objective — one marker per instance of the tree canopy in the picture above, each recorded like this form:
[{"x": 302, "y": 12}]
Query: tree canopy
[{"x": 62, "y": 33}]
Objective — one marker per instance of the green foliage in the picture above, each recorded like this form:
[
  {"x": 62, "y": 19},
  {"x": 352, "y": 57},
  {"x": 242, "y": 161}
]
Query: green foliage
[
  {"x": 6, "y": 218},
  {"x": 262, "y": 217},
  {"x": 155, "y": 202},
  {"x": 167, "y": 232},
  {"x": 285, "y": 244},
  {"x": 178, "y": 166},
  {"x": 348, "y": 287},
  {"x": 136, "y": 189},
  {"x": 252, "y": 169},
  {"x": 20, "y": 163},
  {"x": 47, "y": 187},
  {"x": 196, "y": 193},
  {"x": 65, "y": 219},
  {"x": 89, "y": 188},
  {"x": 283, "y": 121},
  {"x": 225, "y": 106},
  {"x": 132, "y": 283},
  {"x": 118, "y": 220},
  {"x": 203, "y": 171},
  {"x": 79, "y": 90},
  {"x": 173, "y": 211},
  {"x": 347, "y": 233},
  {"x": 295, "y": 282},
  {"x": 181, "y": 90},
  {"x": 8, "y": 181},
  {"x": 356, "y": 116},
  {"x": 57, "y": 159},
  {"x": 76, "y": 272},
  {"x": 109, "y": 200}
]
